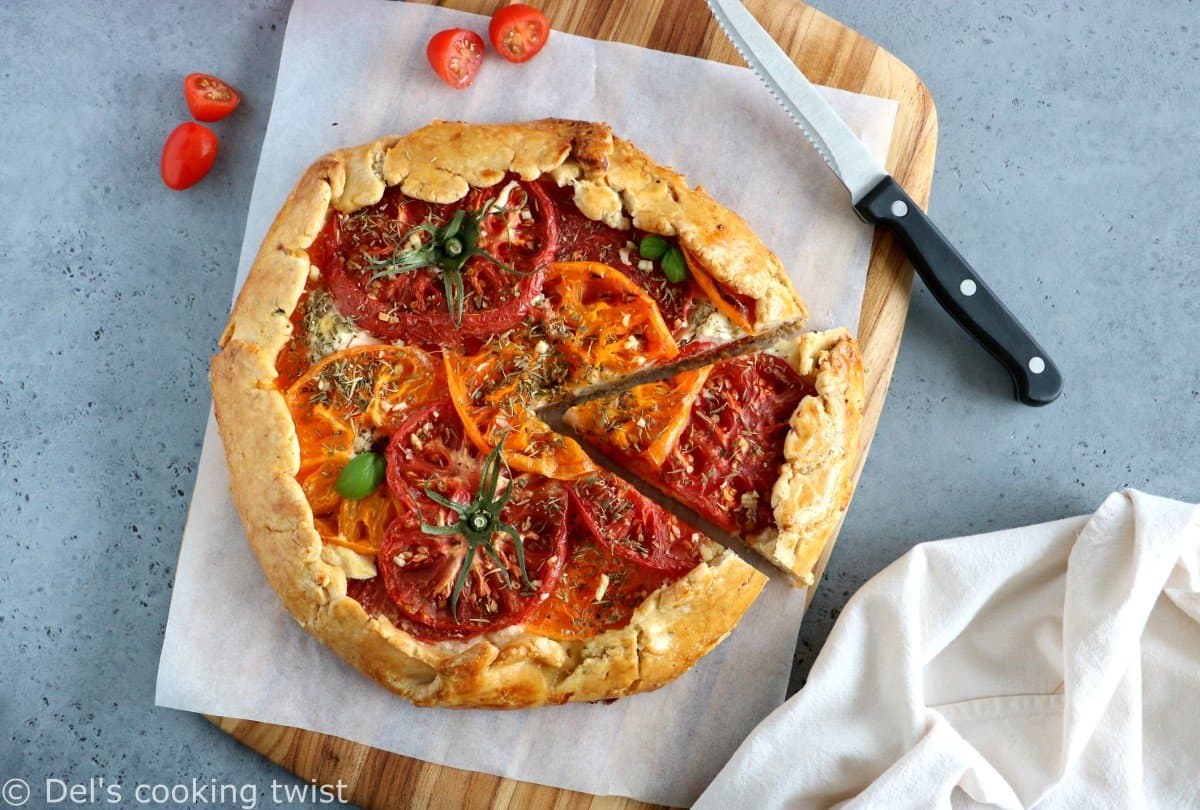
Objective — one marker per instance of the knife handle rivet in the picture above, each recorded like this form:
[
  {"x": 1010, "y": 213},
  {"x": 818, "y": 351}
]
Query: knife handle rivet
[
  {"x": 967, "y": 287},
  {"x": 899, "y": 208},
  {"x": 1037, "y": 365}
]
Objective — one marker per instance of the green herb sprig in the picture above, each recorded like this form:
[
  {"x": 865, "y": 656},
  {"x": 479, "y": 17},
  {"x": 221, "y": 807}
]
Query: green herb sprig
[
  {"x": 478, "y": 521},
  {"x": 447, "y": 250}
]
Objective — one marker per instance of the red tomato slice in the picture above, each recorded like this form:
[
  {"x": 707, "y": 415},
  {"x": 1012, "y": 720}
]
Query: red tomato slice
[
  {"x": 188, "y": 154},
  {"x": 631, "y": 526},
  {"x": 412, "y": 306},
  {"x": 373, "y": 596},
  {"x": 518, "y": 32},
  {"x": 419, "y": 569},
  {"x": 209, "y": 98},
  {"x": 728, "y": 456},
  {"x": 456, "y": 55},
  {"x": 430, "y": 449}
]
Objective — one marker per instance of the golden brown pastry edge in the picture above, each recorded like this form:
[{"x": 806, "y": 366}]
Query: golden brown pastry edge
[{"x": 510, "y": 668}]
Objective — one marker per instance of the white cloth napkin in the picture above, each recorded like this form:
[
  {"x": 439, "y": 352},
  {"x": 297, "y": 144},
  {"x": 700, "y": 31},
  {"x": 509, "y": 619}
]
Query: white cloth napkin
[{"x": 1052, "y": 666}]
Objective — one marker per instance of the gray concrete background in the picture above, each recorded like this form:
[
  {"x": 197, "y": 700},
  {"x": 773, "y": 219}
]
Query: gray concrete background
[{"x": 1067, "y": 171}]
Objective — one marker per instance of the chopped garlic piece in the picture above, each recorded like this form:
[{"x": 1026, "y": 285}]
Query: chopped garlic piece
[
  {"x": 602, "y": 588},
  {"x": 750, "y": 501}
]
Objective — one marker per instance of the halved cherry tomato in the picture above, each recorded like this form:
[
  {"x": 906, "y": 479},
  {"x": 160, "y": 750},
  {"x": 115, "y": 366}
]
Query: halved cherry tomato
[
  {"x": 187, "y": 155},
  {"x": 209, "y": 98},
  {"x": 456, "y": 55},
  {"x": 518, "y": 32}
]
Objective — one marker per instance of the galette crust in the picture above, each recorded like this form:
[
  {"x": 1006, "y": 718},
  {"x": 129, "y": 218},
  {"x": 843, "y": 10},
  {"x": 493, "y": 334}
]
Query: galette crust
[
  {"x": 514, "y": 667},
  {"x": 820, "y": 452}
]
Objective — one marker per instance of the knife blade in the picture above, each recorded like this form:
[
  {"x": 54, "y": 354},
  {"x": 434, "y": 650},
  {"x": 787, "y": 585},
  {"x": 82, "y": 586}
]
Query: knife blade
[{"x": 878, "y": 199}]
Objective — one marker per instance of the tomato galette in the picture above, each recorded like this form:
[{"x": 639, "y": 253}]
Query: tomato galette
[{"x": 416, "y": 304}]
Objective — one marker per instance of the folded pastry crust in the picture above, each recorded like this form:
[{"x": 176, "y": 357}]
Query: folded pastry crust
[
  {"x": 514, "y": 667},
  {"x": 820, "y": 453}
]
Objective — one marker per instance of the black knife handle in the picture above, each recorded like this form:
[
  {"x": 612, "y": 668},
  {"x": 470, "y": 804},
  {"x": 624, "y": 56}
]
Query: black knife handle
[{"x": 962, "y": 293}]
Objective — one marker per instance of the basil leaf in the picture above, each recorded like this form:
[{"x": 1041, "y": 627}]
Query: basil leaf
[
  {"x": 361, "y": 476},
  {"x": 673, "y": 266},
  {"x": 653, "y": 247}
]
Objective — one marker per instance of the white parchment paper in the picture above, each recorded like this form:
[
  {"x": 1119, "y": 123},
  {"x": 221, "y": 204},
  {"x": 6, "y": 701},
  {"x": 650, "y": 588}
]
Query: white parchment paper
[{"x": 354, "y": 70}]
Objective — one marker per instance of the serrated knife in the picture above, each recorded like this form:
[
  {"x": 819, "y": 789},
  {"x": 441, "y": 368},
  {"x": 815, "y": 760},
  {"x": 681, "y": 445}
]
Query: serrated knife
[{"x": 880, "y": 200}]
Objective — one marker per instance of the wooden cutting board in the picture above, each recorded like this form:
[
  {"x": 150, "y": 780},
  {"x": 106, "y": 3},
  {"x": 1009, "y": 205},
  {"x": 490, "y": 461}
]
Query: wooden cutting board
[{"x": 829, "y": 53}]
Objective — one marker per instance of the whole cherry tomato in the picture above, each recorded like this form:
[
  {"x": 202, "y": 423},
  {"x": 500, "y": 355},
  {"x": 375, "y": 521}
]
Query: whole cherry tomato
[
  {"x": 456, "y": 55},
  {"x": 187, "y": 155},
  {"x": 209, "y": 98},
  {"x": 518, "y": 32}
]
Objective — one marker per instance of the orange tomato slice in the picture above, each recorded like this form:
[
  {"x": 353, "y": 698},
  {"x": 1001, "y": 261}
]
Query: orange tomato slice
[
  {"x": 643, "y": 421},
  {"x": 357, "y": 525},
  {"x": 710, "y": 288},
  {"x": 596, "y": 592},
  {"x": 612, "y": 323},
  {"x": 493, "y": 411},
  {"x": 318, "y": 486},
  {"x": 361, "y": 387}
]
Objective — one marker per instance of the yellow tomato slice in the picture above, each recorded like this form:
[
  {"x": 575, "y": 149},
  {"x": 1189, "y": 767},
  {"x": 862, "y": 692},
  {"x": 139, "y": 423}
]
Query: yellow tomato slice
[
  {"x": 643, "y": 421},
  {"x": 361, "y": 523},
  {"x": 709, "y": 287},
  {"x": 534, "y": 447},
  {"x": 356, "y": 524},
  {"x": 324, "y": 437}
]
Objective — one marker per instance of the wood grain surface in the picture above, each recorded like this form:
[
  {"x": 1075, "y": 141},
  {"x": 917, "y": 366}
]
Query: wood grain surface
[{"x": 829, "y": 53}]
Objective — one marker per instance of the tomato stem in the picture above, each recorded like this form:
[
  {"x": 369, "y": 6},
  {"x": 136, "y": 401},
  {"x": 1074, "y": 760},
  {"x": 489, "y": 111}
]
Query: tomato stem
[
  {"x": 478, "y": 523},
  {"x": 447, "y": 252}
]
